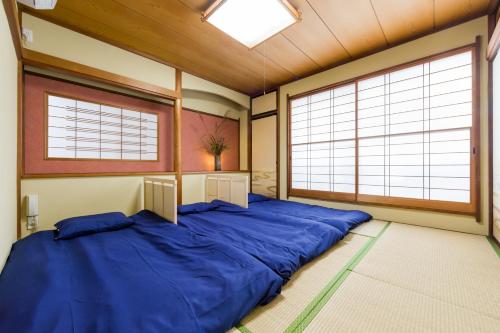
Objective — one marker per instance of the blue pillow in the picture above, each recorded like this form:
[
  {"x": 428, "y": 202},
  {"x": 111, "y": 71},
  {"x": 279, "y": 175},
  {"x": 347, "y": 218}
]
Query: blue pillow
[
  {"x": 198, "y": 207},
  {"x": 91, "y": 224},
  {"x": 252, "y": 197}
]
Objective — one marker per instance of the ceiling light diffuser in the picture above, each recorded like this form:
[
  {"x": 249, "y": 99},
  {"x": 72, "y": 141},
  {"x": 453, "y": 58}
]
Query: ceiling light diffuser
[{"x": 251, "y": 21}]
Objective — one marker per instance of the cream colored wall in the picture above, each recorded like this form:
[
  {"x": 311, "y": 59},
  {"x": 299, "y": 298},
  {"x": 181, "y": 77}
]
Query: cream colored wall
[
  {"x": 441, "y": 41},
  {"x": 264, "y": 103},
  {"x": 210, "y": 103},
  {"x": 264, "y": 156},
  {"x": 192, "y": 82},
  {"x": 60, "y": 198},
  {"x": 8, "y": 139},
  {"x": 63, "y": 43}
]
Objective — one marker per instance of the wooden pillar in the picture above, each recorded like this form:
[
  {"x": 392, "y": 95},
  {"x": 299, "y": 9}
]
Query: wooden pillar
[
  {"x": 177, "y": 134},
  {"x": 249, "y": 143},
  {"x": 20, "y": 143}
]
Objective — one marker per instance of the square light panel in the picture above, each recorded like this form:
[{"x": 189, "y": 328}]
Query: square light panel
[{"x": 251, "y": 21}]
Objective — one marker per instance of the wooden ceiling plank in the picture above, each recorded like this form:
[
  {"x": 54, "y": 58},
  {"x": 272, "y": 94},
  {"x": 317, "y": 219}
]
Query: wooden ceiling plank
[
  {"x": 306, "y": 34},
  {"x": 121, "y": 38},
  {"x": 125, "y": 18},
  {"x": 187, "y": 23},
  {"x": 402, "y": 19},
  {"x": 353, "y": 22},
  {"x": 448, "y": 12},
  {"x": 197, "y": 5},
  {"x": 281, "y": 51}
]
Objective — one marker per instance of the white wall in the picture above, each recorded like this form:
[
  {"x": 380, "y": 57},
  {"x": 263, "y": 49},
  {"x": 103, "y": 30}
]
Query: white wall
[
  {"x": 438, "y": 42},
  {"x": 8, "y": 139}
]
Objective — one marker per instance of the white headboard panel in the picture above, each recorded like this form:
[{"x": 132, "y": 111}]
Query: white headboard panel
[
  {"x": 160, "y": 197},
  {"x": 230, "y": 188}
]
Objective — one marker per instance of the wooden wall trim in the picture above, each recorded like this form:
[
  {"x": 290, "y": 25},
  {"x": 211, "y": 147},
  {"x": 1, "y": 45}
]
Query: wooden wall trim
[
  {"x": 213, "y": 172},
  {"x": 492, "y": 20},
  {"x": 60, "y": 65},
  {"x": 20, "y": 142},
  {"x": 249, "y": 142},
  {"x": 494, "y": 38},
  {"x": 278, "y": 180},
  {"x": 265, "y": 114},
  {"x": 10, "y": 7},
  {"x": 103, "y": 174},
  {"x": 177, "y": 134},
  {"x": 209, "y": 114},
  {"x": 70, "y": 80},
  {"x": 476, "y": 128}
]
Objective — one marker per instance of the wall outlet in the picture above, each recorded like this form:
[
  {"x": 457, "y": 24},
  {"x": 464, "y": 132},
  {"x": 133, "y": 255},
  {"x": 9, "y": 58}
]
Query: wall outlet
[{"x": 27, "y": 35}]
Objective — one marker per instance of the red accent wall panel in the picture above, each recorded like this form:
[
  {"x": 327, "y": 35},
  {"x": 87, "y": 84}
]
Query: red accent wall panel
[
  {"x": 195, "y": 125},
  {"x": 34, "y": 131}
]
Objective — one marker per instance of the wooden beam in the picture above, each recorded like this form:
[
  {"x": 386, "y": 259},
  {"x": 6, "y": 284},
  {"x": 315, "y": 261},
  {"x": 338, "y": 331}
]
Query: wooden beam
[
  {"x": 10, "y": 8},
  {"x": 492, "y": 20},
  {"x": 20, "y": 142},
  {"x": 60, "y": 65},
  {"x": 177, "y": 134},
  {"x": 494, "y": 43},
  {"x": 278, "y": 162},
  {"x": 249, "y": 142}
]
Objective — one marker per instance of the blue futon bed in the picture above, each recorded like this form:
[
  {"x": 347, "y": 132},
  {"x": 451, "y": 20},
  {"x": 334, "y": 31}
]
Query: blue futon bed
[
  {"x": 284, "y": 243},
  {"x": 343, "y": 220},
  {"x": 152, "y": 276}
]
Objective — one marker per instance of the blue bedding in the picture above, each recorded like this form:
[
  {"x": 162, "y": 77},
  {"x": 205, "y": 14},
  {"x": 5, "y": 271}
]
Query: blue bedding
[
  {"x": 150, "y": 277},
  {"x": 344, "y": 220},
  {"x": 284, "y": 243}
]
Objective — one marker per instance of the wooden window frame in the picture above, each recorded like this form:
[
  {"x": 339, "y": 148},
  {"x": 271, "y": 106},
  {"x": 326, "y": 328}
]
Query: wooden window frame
[
  {"x": 48, "y": 93},
  {"x": 471, "y": 208}
]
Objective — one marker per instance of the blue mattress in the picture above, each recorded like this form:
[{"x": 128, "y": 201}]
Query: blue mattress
[
  {"x": 344, "y": 220},
  {"x": 150, "y": 277},
  {"x": 284, "y": 243}
]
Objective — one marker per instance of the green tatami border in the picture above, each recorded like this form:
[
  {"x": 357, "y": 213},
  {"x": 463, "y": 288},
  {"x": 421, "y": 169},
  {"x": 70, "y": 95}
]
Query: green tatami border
[
  {"x": 494, "y": 245},
  {"x": 313, "y": 308},
  {"x": 308, "y": 314}
]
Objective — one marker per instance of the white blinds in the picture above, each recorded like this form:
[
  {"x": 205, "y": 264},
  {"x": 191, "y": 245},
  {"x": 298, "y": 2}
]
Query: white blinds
[
  {"x": 323, "y": 137},
  {"x": 83, "y": 130},
  {"x": 410, "y": 128},
  {"x": 414, "y": 128}
]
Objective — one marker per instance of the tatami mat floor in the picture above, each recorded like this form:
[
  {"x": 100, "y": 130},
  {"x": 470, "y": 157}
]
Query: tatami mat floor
[{"x": 390, "y": 278}]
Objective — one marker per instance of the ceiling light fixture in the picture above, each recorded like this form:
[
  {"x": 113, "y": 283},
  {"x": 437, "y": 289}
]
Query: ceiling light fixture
[{"x": 251, "y": 21}]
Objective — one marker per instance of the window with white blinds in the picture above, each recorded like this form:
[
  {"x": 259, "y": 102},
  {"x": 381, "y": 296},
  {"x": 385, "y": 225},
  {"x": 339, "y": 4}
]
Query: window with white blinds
[
  {"x": 323, "y": 135},
  {"x": 84, "y": 130},
  {"x": 407, "y": 134},
  {"x": 414, "y": 130}
]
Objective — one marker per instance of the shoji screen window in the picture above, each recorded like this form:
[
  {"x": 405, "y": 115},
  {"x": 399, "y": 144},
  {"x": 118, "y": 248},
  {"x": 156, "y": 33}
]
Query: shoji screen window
[
  {"x": 416, "y": 132},
  {"x": 84, "y": 130},
  {"x": 323, "y": 143}
]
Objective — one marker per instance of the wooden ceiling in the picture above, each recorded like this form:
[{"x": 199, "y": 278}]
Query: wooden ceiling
[{"x": 331, "y": 32}]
